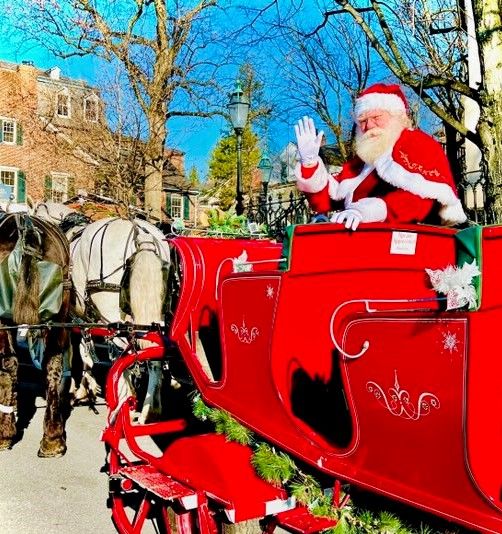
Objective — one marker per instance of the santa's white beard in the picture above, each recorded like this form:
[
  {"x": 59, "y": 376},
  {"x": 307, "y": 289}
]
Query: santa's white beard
[{"x": 373, "y": 143}]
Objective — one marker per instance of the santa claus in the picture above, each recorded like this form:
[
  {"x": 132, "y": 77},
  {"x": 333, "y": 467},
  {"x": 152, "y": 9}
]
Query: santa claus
[{"x": 400, "y": 174}]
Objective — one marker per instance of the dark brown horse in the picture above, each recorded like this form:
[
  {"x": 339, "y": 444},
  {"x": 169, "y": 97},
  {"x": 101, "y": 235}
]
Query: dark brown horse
[{"x": 34, "y": 289}]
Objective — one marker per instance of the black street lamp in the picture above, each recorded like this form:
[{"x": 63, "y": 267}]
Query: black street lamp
[
  {"x": 265, "y": 167},
  {"x": 238, "y": 108}
]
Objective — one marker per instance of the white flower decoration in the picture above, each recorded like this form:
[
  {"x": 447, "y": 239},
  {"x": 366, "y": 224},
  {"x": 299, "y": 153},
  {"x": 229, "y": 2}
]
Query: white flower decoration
[{"x": 456, "y": 283}]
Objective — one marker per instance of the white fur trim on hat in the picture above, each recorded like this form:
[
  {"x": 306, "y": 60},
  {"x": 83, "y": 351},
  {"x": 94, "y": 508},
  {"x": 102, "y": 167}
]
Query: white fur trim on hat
[{"x": 373, "y": 101}]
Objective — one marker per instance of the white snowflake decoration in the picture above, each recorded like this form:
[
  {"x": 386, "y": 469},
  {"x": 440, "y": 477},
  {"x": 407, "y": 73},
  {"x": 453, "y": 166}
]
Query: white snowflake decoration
[
  {"x": 270, "y": 292},
  {"x": 450, "y": 342},
  {"x": 456, "y": 283},
  {"x": 241, "y": 264}
]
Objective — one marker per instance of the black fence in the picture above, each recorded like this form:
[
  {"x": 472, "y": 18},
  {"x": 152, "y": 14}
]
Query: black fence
[
  {"x": 276, "y": 214},
  {"x": 473, "y": 192}
]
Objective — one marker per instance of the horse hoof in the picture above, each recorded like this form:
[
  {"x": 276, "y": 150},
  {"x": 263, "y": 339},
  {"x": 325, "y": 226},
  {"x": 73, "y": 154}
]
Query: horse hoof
[{"x": 54, "y": 451}]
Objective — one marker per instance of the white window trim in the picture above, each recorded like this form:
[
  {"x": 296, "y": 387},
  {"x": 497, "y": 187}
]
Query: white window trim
[
  {"x": 94, "y": 99},
  {"x": 66, "y": 93},
  {"x": 15, "y": 170},
  {"x": 9, "y": 119},
  {"x": 180, "y": 197},
  {"x": 55, "y": 175}
]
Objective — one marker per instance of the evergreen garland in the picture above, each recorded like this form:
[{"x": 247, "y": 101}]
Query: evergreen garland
[{"x": 279, "y": 469}]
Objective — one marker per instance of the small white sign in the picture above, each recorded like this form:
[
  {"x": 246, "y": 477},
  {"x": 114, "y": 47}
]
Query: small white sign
[{"x": 403, "y": 243}]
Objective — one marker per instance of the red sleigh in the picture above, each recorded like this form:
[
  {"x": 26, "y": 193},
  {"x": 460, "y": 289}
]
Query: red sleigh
[{"x": 335, "y": 349}]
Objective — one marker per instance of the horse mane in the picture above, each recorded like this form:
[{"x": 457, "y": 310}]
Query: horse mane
[{"x": 146, "y": 284}]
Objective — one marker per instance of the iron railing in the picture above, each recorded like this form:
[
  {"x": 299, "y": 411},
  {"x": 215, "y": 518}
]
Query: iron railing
[
  {"x": 276, "y": 214},
  {"x": 473, "y": 190}
]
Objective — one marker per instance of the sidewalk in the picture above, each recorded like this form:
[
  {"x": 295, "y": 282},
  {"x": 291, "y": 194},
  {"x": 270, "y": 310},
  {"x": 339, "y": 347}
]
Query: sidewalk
[{"x": 56, "y": 496}]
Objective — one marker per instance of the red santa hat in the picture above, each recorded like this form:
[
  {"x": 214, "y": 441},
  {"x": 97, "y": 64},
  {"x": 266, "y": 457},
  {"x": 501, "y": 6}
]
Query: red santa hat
[{"x": 381, "y": 96}]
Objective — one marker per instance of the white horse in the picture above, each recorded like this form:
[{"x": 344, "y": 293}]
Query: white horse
[
  {"x": 99, "y": 261},
  {"x": 99, "y": 256}
]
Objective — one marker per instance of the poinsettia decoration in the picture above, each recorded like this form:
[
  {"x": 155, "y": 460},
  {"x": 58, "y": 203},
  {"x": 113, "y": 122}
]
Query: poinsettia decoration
[{"x": 456, "y": 283}]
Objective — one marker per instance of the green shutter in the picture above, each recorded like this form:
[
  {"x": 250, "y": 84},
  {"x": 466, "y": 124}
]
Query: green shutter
[
  {"x": 168, "y": 204},
  {"x": 21, "y": 187},
  {"x": 71, "y": 187},
  {"x": 1, "y": 131},
  {"x": 48, "y": 187},
  {"x": 19, "y": 134},
  {"x": 186, "y": 207}
]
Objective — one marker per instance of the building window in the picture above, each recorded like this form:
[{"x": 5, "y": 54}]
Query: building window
[
  {"x": 7, "y": 183},
  {"x": 176, "y": 206},
  {"x": 59, "y": 187},
  {"x": 8, "y": 131},
  {"x": 91, "y": 109},
  {"x": 63, "y": 104}
]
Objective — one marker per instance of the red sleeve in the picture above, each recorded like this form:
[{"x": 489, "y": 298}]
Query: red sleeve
[
  {"x": 308, "y": 172},
  {"x": 405, "y": 207},
  {"x": 320, "y": 201}
]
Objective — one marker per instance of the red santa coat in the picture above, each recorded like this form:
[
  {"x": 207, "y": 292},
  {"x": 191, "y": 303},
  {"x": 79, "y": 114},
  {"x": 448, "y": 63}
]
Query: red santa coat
[{"x": 410, "y": 183}]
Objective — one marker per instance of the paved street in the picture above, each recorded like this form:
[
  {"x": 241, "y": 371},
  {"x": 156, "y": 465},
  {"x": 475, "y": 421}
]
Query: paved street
[{"x": 65, "y": 495}]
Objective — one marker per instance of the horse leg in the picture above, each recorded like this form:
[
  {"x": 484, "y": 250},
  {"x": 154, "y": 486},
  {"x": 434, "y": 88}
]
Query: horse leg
[
  {"x": 8, "y": 395},
  {"x": 53, "y": 442},
  {"x": 89, "y": 388},
  {"x": 8, "y": 381},
  {"x": 152, "y": 405}
]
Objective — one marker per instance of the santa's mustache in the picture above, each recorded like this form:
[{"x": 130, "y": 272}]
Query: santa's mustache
[{"x": 370, "y": 134}]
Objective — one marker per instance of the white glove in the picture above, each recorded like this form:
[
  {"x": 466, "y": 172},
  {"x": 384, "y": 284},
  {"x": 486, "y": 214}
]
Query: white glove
[
  {"x": 307, "y": 141},
  {"x": 351, "y": 217}
]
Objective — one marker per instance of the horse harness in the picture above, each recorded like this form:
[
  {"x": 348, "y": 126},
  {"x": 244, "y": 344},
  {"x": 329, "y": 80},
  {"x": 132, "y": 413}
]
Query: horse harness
[
  {"x": 54, "y": 279},
  {"x": 100, "y": 284}
]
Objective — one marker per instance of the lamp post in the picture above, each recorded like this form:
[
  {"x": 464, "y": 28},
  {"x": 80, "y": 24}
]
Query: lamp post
[
  {"x": 265, "y": 167},
  {"x": 238, "y": 108}
]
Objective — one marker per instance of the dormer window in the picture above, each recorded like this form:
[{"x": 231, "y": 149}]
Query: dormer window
[
  {"x": 63, "y": 104},
  {"x": 91, "y": 108}
]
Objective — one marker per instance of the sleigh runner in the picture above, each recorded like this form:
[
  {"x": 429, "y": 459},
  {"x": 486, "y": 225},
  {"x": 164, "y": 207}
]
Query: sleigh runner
[{"x": 349, "y": 362}]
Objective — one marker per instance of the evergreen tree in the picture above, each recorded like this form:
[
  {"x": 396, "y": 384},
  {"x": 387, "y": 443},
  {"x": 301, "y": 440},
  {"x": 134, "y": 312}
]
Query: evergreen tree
[
  {"x": 193, "y": 177},
  {"x": 223, "y": 166},
  {"x": 223, "y": 163}
]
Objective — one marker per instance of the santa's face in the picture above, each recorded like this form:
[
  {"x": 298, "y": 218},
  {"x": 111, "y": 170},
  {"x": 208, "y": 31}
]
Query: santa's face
[{"x": 377, "y": 132}]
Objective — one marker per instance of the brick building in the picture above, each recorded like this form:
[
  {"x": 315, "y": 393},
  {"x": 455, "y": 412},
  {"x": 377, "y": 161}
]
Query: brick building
[
  {"x": 39, "y": 159},
  {"x": 55, "y": 141}
]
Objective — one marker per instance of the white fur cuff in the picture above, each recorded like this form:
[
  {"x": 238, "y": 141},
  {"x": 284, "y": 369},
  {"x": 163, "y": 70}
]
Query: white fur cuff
[
  {"x": 372, "y": 209},
  {"x": 317, "y": 182},
  {"x": 453, "y": 214}
]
